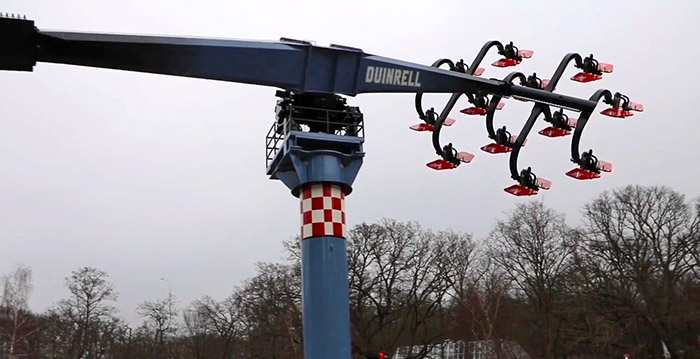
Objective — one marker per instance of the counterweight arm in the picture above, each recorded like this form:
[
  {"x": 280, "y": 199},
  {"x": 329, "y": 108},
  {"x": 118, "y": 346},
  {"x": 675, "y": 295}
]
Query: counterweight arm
[{"x": 288, "y": 64}]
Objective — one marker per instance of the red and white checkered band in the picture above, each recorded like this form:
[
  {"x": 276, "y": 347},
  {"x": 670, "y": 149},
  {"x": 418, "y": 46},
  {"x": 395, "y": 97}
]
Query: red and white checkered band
[{"x": 322, "y": 211}]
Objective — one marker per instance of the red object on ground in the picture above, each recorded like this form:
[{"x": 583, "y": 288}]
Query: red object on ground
[
  {"x": 586, "y": 77},
  {"x": 479, "y": 71}
]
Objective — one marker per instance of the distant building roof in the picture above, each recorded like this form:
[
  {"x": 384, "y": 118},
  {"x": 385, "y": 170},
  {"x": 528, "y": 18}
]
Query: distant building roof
[{"x": 483, "y": 349}]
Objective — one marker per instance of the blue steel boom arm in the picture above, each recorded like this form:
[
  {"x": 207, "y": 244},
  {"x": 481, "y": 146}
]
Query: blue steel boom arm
[{"x": 288, "y": 64}]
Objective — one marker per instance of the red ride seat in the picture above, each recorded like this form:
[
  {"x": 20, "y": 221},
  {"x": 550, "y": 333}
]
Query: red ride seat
[
  {"x": 583, "y": 174},
  {"x": 520, "y": 190},
  {"x": 441, "y": 164},
  {"x": 427, "y": 127},
  {"x": 496, "y": 148}
]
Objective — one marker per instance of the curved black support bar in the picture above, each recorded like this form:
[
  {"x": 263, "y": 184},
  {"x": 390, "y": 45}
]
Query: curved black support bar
[
  {"x": 482, "y": 53},
  {"x": 441, "y": 119},
  {"x": 453, "y": 100},
  {"x": 419, "y": 96},
  {"x": 607, "y": 97},
  {"x": 534, "y": 114},
  {"x": 539, "y": 109},
  {"x": 472, "y": 68},
  {"x": 480, "y": 57},
  {"x": 562, "y": 67},
  {"x": 490, "y": 112},
  {"x": 443, "y": 61}
]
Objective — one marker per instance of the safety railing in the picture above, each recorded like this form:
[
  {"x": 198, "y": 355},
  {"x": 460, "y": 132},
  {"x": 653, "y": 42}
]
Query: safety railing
[{"x": 348, "y": 122}]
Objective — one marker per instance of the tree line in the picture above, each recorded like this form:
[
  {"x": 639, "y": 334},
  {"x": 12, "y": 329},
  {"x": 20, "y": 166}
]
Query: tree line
[{"x": 624, "y": 280}]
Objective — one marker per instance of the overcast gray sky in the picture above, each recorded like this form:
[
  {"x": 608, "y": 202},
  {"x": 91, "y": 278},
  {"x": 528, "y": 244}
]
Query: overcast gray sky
[{"x": 149, "y": 176}]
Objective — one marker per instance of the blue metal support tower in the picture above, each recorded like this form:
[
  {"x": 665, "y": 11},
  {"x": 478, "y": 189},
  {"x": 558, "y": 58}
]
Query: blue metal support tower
[{"x": 319, "y": 168}]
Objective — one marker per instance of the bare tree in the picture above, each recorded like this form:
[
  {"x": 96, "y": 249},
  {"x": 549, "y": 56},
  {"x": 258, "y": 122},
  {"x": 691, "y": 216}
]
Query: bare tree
[
  {"x": 639, "y": 245},
  {"x": 17, "y": 287},
  {"x": 225, "y": 318},
  {"x": 400, "y": 277},
  {"x": 87, "y": 312},
  {"x": 484, "y": 302},
  {"x": 531, "y": 247},
  {"x": 478, "y": 288},
  {"x": 196, "y": 324},
  {"x": 271, "y": 312},
  {"x": 460, "y": 262},
  {"x": 161, "y": 316},
  {"x": 624, "y": 283}
]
